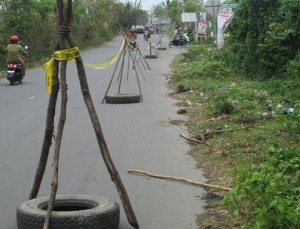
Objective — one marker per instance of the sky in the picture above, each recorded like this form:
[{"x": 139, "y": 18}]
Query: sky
[{"x": 145, "y": 4}]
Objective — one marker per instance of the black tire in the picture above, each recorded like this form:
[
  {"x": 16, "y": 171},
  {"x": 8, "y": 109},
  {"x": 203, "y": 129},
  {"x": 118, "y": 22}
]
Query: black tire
[
  {"x": 20, "y": 77},
  {"x": 122, "y": 98},
  {"x": 70, "y": 212},
  {"x": 12, "y": 81},
  {"x": 171, "y": 44},
  {"x": 150, "y": 56}
]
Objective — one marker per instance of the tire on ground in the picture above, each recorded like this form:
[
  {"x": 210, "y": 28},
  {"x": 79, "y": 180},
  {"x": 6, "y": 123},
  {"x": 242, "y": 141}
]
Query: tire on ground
[
  {"x": 70, "y": 212},
  {"x": 122, "y": 98},
  {"x": 150, "y": 56}
]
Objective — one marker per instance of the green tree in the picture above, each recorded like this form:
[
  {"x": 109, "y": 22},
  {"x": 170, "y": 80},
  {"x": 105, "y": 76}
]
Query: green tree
[
  {"x": 175, "y": 8},
  {"x": 265, "y": 35},
  {"x": 192, "y": 6},
  {"x": 93, "y": 21}
]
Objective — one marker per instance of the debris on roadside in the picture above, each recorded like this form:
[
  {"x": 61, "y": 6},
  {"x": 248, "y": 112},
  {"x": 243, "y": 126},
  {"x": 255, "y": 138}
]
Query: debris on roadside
[
  {"x": 181, "y": 111},
  {"x": 288, "y": 110},
  {"x": 212, "y": 197},
  {"x": 179, "y": 179},
  {"x": 204, "y": 135},
  {"x": 180, "y": 89}
]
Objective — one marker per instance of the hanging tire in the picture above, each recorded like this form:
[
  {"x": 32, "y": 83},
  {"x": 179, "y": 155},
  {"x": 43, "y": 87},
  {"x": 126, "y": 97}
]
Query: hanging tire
[
  {"x": 70, "y": 212},
  {"x": 122, "y": 98},
  {"x": 171, "y": 44},
  {"x": 150, "y": 56}
]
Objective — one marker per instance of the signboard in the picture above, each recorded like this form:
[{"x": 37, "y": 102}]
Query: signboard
[
  {"x": 224, "y": 18},
  {"x": 202, "y": 24},
  {"x": 188, "y": 17}
]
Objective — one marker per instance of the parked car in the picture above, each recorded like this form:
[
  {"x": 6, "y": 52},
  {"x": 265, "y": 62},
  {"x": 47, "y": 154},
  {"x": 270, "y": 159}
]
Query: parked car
[{"x": 139, "y": 29}]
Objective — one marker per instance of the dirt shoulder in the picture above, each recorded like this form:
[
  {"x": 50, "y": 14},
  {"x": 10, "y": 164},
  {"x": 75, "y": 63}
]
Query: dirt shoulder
[{"x": 215, "y": 163}]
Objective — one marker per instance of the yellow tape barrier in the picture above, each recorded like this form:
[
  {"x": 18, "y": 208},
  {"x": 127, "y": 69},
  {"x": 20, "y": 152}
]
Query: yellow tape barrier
[
  {"x": 70, "y": 54},
  {"x": 60, "y": 55},
  {"x": 110, "y": 60}
]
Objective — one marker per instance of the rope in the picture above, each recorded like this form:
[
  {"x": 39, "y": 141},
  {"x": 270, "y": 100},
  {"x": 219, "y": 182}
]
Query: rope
[{"x": 62, "y": 29}]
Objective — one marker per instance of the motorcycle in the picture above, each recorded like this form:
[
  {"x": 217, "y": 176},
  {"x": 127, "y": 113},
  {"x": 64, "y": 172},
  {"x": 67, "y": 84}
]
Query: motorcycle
[
  {"x": 146, "y": 35},
  {"x": 14, "y": 71},
  {"x": 132, "y": 42},
  {"x": 180, "y": 41}
]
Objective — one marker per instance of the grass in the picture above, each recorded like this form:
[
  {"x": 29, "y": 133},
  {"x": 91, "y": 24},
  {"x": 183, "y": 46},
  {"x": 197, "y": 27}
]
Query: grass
[{"x": 222, "y": 100}]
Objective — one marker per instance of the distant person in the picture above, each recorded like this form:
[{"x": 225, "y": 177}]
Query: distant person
[
  {"x": 16, "y": 52},
  {"x": 132, "y": 34},
  {"x": 176, "y": 33},
  {"x": 147, "y": 33}
]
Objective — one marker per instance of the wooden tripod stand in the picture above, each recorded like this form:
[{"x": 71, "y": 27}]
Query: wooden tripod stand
[{"x": 59, "y": 83}]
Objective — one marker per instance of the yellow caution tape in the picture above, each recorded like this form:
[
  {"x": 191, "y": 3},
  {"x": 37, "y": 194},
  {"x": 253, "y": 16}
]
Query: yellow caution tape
[
  {"x": 110, "y": 60},
  {"x": 67, "y": 54},
  {"x": 71, "y": 54},
  {"x": 60, "y": 55},
  {"x": 49, "y": 77}
]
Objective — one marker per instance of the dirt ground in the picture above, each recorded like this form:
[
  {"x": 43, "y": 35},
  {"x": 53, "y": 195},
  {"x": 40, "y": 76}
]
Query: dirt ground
[{"x": 215, "y": 165}]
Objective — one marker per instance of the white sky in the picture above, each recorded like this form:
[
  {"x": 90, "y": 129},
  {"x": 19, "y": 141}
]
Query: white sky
[{"x": 145, "y": 4}]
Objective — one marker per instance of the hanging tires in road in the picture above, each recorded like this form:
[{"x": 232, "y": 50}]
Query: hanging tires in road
[
  {"x": 70, "y": 212},
  {"x": 122, "y": 98}
]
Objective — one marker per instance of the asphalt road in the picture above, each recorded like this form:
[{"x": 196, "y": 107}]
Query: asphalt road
[{"x": 139, "y": 136}]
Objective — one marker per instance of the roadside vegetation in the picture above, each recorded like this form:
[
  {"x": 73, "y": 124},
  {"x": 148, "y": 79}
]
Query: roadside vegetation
[
  {"x": 34, "y": 21},
  {"x": 243, "y": 103}
]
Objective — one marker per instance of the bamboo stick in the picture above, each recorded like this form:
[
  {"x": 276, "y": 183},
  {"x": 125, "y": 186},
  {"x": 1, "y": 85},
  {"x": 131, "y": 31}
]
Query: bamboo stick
[{"x": 179, "y": 179}]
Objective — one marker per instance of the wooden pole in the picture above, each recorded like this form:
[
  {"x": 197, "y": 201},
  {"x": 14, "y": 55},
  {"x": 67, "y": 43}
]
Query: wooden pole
[
  {"x": 115, "y": 69},
  {"x": 62, "y": 28},
  {"x": 101, "y": 141},
  {"x": 103, "y": 146},
  {"x": 47, "y": 142},
  {"x": 183, "y": 180}
]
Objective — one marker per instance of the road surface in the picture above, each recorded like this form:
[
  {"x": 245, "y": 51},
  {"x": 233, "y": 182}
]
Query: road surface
[{"x": 139, "y": 136}]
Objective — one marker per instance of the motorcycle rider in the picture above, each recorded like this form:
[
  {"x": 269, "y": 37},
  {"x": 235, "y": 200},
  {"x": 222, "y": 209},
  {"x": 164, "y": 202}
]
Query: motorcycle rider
[
  {"x": 15, "y": 51},
  {"x": 177, "y": 32},
  {"x": 147, "y": 33},
  {"x": 132, "y": 34}
]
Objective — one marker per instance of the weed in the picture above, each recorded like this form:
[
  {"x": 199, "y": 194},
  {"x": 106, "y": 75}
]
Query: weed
[
  {"x": 265, "y": 182},
  {"x": 267, "y": 195},
  {"x": 223, "y": 103}
]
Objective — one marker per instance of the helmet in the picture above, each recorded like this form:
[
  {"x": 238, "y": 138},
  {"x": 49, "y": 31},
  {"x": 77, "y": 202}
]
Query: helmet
[{"x": 14, "y": 39}]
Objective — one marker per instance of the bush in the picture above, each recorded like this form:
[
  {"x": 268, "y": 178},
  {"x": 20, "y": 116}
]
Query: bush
[
  {"x": 223, "y": 103},
  {"x": 267, "y": 196},
  {"x": 195, "y": 53}
]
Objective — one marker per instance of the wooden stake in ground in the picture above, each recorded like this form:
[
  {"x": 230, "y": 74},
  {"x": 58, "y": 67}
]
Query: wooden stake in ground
[
  {"x": 64, "y": 34},
  {"x": 179, "y": 179}
]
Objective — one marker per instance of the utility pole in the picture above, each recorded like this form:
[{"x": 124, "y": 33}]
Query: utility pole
[{"x": 215, "y": 7}]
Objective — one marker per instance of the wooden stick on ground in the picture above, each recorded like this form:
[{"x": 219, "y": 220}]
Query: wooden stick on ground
[
  {"x": 192, "y": 139},
  {"x": 141, "y": 172},
  {"x": 221, "y": 131}
]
